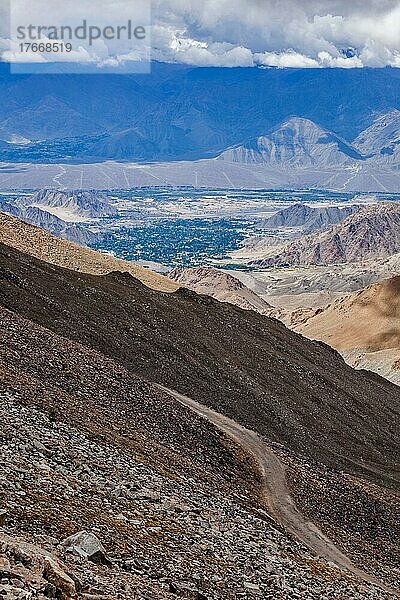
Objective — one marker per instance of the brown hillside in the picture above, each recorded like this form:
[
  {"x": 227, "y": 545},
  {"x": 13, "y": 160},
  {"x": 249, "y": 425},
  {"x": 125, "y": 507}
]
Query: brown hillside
[{"x": 41, "y": 244}]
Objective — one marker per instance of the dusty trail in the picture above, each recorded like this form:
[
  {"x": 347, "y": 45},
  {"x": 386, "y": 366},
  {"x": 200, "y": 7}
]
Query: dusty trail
[{"x": 275, "y": 489}]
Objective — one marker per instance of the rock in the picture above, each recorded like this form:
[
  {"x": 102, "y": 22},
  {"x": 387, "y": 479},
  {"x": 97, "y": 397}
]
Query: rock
[
  {"x": 184, "y": 590},
  {"x": 252, "y": 587},
  {"x": 87, "y": 545},
  {"x": 39, "y": 446},
  {"x": 3, "y": 515},
  {"x": 56, "y": 576},
  {"x": 5, "y": 566},
  {"x": 13, "y": 593},
  {"x": 50, "y": 590},
  {"x": 146, "y": 494}
]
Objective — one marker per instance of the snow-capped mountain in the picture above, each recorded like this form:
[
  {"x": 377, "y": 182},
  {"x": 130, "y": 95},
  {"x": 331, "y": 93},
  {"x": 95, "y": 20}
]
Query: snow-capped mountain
[{"x": 296, "y": 142}]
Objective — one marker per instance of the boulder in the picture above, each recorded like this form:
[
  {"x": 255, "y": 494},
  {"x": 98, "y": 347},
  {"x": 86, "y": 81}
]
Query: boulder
[{"x": 88, "y": 546}]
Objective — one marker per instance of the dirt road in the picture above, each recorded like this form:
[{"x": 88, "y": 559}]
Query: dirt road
[{"x": 275, "y": 490}]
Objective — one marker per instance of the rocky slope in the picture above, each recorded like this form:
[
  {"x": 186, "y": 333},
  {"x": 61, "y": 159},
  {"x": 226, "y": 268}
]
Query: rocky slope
[
  {"x": 317, "y": 286},
  {"x": 170, "y": 504},
  {"x": 372, "y": 232},
  {"x": 175, "y": 502},
  {"x": 309, "y": 218},
  {"x": 45, "y": 246},
  {"x": 220, "y": 285},
  {"x": 200, "y": 347},
  {"x": 364, "y": 327}
]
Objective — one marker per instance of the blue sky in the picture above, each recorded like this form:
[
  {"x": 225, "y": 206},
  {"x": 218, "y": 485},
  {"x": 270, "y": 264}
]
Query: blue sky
[{"x": 288, "y": 33}]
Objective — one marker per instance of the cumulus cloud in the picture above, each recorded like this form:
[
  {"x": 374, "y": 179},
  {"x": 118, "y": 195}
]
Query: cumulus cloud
[
  {"x": 268, "y": 33},
  {"x": 288, "y": 33}
]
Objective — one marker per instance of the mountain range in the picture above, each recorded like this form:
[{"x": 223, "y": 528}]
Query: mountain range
[
  {"x": 179, "y": 113},
  {"x": 62, "y": 213},
  {"x": 297, "y": 142},
  {"x": 309, "y": 218},
  {"x": 295, "y": 154}
]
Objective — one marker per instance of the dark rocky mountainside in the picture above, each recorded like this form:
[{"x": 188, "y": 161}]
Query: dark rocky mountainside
[
  {"x": 89, "y": 445},
  {"x": 220, "y": 285},
  {"x": 295, "y": 391}
]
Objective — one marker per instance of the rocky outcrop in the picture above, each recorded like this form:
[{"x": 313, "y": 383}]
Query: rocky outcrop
[
  {"x": 88, "y": 546},
  {"x": 55, "y": 575},
  {"x": 224, "y": 356},
  {"x": 90, "y": 446}
]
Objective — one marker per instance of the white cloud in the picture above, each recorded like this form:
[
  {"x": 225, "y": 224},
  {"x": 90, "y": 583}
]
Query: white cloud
[
  {"x": 289, "y": 59},
  {"x": 288, "y": 33},
  {"x": 271, "y": 33}
]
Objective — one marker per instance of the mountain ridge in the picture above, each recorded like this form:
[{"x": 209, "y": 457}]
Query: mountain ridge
[
  {"x": 40, "y": 244},
  {"x": 179, "y": 102},
  {"x": 309, "y": 218},
  {"x": 371, "y": 232},
  {"x": 295, "y": 142}
]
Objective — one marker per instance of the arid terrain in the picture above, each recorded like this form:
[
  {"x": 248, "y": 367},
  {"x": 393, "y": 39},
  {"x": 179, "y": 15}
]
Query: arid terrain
[
  {"x": 199, "y": 469},
  {"x": 43, "y": 245},
  {"x": 364, "y": 327}
]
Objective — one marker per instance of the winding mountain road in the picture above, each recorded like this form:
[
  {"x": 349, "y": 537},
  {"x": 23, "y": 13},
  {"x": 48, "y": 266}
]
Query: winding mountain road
[{"x": 275, "y": 491}]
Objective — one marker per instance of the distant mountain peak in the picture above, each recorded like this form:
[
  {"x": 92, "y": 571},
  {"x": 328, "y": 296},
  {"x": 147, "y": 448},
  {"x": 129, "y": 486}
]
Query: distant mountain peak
[
  {"x": 295, "y": 142},
  {"x": 76, "y": 203}
]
